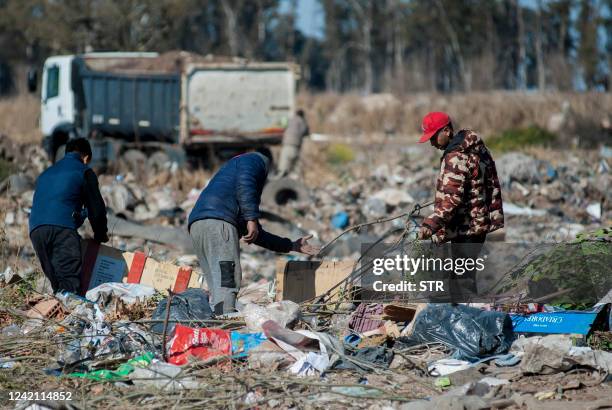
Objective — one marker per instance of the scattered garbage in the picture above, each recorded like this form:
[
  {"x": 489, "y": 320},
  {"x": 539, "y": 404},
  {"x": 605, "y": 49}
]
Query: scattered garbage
[
  {"x": 443, "y": 367},
  {"x": 300, "y": 345},
  {"x": 460, "y": 356},
  {"x": 201, "y": 343},
  {"x": 512, "y": 209},
  {"x": 516, "y": 166},
  {"x": 163, "y": 376},
  {"x": 556, "y": 353},
  {"x": 190, "y": 305},
  {"x": 284, "y": 313},
  {"x": 472, "y": 333},
  {"x": 129, "y": 293},
  {"x": 243, "y": 343},
  {"x": 120, "y": 373},
  {"x": 340, "y": 220}
]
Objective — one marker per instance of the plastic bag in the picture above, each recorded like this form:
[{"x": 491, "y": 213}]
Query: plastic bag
[
  {"x": 191, "y": 304},
  {"x": 120, "y": 373},
  {"x": 127, "y": 292},
  {"x": 284, "y": 313},
  {"x": 202, "y": 343},
  {"x": 242, "y": 343},
  {"x": 474, "y": 333}
]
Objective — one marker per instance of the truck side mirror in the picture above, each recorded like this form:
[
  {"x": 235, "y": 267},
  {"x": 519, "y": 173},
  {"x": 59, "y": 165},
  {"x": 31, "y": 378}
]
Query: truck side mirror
[{"x": 32, "y": 80}]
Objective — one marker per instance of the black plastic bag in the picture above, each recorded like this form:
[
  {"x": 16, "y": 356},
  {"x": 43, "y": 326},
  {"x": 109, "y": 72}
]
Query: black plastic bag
[
  {"x": 378, "y": 356},
  {"x": 473, "y": 333},
  {"x": 191, "y": 304}
]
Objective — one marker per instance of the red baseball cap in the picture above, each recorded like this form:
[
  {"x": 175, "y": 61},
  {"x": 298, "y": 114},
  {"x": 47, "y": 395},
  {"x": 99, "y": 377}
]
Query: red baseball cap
[{"x": 432, "y": 122}]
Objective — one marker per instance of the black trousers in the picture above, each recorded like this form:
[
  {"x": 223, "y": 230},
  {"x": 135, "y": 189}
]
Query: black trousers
[
  {"x": 59, "y": 252},
  {"x": 464, "y": 287}
]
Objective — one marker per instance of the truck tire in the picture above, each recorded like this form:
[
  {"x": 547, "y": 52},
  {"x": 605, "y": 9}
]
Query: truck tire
[
  {"x": 282, "y": 191},
  {"x": 158, "y": 162},
  {"x": 133, "y": 161}
]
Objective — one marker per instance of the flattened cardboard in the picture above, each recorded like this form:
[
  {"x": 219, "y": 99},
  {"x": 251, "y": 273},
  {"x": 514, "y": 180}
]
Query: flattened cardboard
[
  {"x": 102, "y": 264},
  {"x": 303, "y": 280}
]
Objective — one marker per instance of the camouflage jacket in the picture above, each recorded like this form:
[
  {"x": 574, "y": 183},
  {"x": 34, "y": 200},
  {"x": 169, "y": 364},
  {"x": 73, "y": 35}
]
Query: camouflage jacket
[{"x": 468, "y": 196}]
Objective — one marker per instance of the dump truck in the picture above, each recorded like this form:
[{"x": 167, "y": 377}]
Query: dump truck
[{"x": 149, "y": 109}]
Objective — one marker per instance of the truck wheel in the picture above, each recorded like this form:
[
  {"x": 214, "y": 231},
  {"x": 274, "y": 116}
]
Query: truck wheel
[
  {"x": 59, "y": 153},
  {"x": 133, "y": 161},
  {"x": 282, "y": 191},
  {"x": 159, "y": 161}
]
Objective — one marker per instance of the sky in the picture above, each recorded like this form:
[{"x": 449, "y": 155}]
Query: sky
[{"x": 310, "y": 17}]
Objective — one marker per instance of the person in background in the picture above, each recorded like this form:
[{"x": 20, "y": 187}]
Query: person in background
[
  {"x": 296, "y": 130},
  {"x": 66, "y": 193}
]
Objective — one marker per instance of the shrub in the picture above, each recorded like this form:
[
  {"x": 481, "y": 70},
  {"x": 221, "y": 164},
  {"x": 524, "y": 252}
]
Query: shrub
[
  {"x": 338, "y": 154},
  {"x": 515, "y": 139}
]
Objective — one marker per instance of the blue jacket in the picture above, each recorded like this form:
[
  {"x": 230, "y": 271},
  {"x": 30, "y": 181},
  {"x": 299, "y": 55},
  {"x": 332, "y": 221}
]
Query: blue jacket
[
  {"x": 58, "y": 197},
  {"x": 66, "y": 194},
  {"x": 233, "y": 195}
]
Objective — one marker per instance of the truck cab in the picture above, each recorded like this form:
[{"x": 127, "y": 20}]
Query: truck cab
[
  {"x": 57, "y": 114},
  {"x": 63, "y": 103}
]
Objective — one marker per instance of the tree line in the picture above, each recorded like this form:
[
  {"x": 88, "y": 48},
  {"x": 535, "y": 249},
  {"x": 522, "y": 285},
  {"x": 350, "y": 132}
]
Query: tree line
[{"x": 367, "y": 46}]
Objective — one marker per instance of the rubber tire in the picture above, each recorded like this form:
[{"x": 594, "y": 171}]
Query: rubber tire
[
  {"x": 281, "y": 192},
  {"x": 133, "y": 161}
]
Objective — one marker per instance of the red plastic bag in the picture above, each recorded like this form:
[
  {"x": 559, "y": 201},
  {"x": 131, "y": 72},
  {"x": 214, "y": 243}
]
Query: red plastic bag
[{"x": 202, "y": 343}]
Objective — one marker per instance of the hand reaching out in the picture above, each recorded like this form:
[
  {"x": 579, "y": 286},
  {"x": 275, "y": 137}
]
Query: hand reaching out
[{"x": 302, "y": 246}]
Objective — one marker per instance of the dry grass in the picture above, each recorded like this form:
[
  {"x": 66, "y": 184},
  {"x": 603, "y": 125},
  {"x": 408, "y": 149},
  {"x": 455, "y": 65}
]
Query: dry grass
[
  {"x": 487, "y": 113},
  {"x": 354, "y": 115},
  {"x": 19, "y": 118}
]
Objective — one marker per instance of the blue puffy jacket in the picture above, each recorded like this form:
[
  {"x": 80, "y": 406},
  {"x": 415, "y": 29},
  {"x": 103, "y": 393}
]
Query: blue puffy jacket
[
  {"x": 233, "y": 195},
  {"x": 58, "y": 194}
]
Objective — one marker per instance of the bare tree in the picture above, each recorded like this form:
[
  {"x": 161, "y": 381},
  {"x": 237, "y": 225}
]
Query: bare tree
[
  {"x": 231, "y": 27},
  {"x": 465, "y": 73},
  {"x": 364, "y": 14},
  {"x": 522, "y": 54},
  {"x": 538, "y": 47}
]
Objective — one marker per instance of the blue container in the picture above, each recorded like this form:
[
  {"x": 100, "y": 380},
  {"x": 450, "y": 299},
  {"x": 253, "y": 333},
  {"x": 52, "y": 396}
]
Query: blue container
[{"x": 340, "y": 220}]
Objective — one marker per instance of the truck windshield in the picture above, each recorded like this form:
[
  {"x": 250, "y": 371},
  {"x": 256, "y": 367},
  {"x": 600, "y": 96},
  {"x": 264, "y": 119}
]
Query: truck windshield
[{"x": 52, "y": 82}]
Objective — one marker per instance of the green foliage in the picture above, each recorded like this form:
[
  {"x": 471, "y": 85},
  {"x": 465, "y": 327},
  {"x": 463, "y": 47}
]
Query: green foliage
[
  {"x": 516, "y": 139},
  {"x": 581, "y": 267},
  {"x": 602, "y": 234},
  {"x": 339, "y": 154}
]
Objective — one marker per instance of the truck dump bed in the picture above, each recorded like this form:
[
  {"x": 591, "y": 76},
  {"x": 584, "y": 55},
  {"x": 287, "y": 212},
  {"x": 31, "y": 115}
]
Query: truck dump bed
[
  {"x": 130, "y": 106},
  {"x": 224, "y": 100},
  {"x": 230, "y": 101}
]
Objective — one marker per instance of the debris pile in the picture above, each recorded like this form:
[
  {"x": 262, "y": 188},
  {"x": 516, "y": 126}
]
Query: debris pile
[{"x": 127, "y": 343}]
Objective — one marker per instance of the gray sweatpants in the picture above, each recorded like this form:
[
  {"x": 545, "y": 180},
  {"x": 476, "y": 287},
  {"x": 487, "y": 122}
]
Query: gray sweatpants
[{"x": 217, "y": 244}]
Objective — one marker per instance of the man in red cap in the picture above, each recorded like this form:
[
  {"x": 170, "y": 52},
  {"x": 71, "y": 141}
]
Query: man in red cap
[{"x": 468, "y": 201}]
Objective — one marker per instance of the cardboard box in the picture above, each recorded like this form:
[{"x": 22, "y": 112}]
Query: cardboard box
[
  {"x": 102, "y": 264},
  {"x": 303, "y": 280}
]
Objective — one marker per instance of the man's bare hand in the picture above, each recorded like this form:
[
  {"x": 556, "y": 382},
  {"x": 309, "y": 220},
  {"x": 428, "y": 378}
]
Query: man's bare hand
[
  {"x": 252, "y": 232},
  {"x": 424, "y": 233},
  {"x": 302, "y": 246}
]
